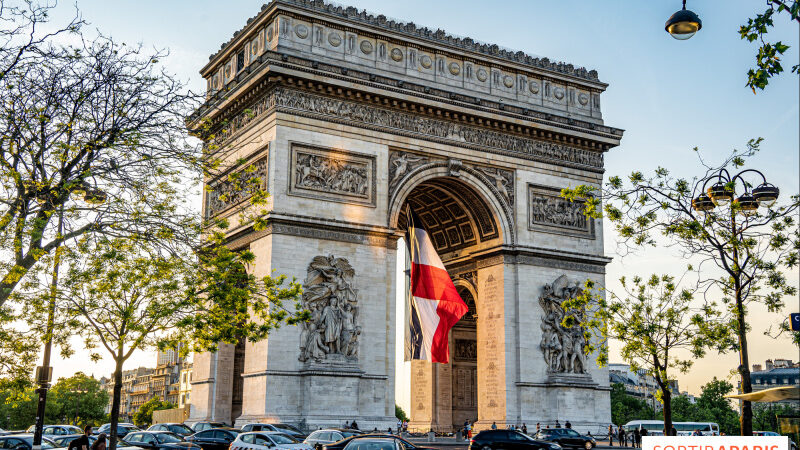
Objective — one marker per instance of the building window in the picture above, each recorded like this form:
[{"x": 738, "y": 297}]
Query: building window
[{"x": 240, "y": 61}]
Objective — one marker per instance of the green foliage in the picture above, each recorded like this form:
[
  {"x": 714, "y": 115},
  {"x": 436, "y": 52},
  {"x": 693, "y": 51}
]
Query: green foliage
[
  {"x": 18, "y": 402},
  {"x": 400, "y": 414},
  {"x": 765, "y": 416},
  {"x": 711, "y": 406},
  {"x": 144, "y": 415},
  {"x": 768, "y": 57},
  {"x": 625, "y": 408}
]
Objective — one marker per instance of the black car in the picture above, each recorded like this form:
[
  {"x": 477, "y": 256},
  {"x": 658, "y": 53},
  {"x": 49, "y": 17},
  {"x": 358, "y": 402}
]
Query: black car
[
  {"x": 508, "y": 440},
  {"x": 215, "y": 438},
  {"x": 122, "y": 429},
  {"x": 566, "y": 437},
  {"x": 158, "y": 440},
  {"x": 328, "y": 436},
  {"x": 23, "y": 442},
  {"x": 403, "y": 444},
  {"x": 201, "y": 426},
  {"x": 177, "y": 428}
]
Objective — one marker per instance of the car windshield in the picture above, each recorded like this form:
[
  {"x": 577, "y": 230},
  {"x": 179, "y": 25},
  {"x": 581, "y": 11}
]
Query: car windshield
[
  {"x": 370, "y": 444},
  {"x": 285, "y": 426},
  {"x": 168, "y": 438},
  {"x": 180, "y": 428},
  {"x": 281, "y": 438},
  {"x": 46, "y": 443}
]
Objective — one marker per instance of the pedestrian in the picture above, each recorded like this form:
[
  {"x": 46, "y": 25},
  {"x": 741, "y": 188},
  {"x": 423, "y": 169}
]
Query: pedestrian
[
  {"x": 611, "y": 435},
  {"x": 636, "y": 437},
  {"x": 538, "y": 427},
  {"x": 623, "y": 440},
  {"x": 524, "y": 428},
  {"x": 390, "y": 430},
  {"x": 673, "y": 431},
  {"x": 494, "y": 425},
  {"x": 100, "y": 443},
  {"x": 354, "y": 425},
  {"x": 558, "y": 425},
  {"x": 82, "y": 443},
  {"x": 643, "y": 434},
  {"x": 469, "y": 430},
  {"x": 567, "y": 424}
]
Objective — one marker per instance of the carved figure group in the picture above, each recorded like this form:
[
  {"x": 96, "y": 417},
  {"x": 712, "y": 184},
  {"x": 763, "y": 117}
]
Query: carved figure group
[
  {"x": 555, "y": 211},
  {"x": 330, "y": 298},
  {"x": 563, "y": 348},
  {"x": 329, "y": 174},
  {"x": 401, "y": 164}
]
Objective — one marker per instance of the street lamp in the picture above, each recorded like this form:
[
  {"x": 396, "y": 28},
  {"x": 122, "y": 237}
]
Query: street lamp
[
  {"x": 723, "y": 190},
  {"x": 683, "y": 24}
]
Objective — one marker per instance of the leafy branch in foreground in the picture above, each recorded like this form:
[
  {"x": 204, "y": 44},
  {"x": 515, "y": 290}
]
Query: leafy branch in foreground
[{"x": 768, "y": 57}]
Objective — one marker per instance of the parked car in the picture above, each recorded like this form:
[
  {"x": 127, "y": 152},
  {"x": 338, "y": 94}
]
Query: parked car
[
  {"x": 508, "y": 440},
  {"x": 284, "y": 428},
  {"x": 566, "y": 437},
  {"x": 373, "y": 443},
  {"x": 267, "y": 440},
  {"x": 158, "y": 440},
  {"x": 63, "y": 441},
  {"x": 122, "y": 429},
  {"x": 56, "y": 430},
  {"x": 24, "y": 442},
  {"x": 201, "y": 426},
  {"x": 402, "y": 443},
  {"x": 328, "y": 436},
  {"x": 177, "y": 428},
  {"x": 215, "y": 438}
]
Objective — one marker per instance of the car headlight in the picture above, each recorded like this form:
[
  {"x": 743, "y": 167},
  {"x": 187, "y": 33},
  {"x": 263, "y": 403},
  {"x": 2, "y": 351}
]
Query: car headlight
[
  {"x": 555, "y": 447},
  {"x": 593, "y": 441}
]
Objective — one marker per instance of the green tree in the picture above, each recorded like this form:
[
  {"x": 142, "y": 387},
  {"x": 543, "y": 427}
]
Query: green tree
[
  {"x": 765, "y": 416},
  {"x": 768, "y": 57},
  {"x": 712, "y": 406},
  {"x": 144, "y": 415},
  {"x": 742, "y": 257},
  {"x": 400, "y": 414},
  {"x": 625, "y": 407},
  {"x": 78, "y": 399},
  {"x": 654, "y": 321}
]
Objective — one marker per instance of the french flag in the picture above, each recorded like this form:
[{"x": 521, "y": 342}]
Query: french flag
[{"x": 434, "y": 304}]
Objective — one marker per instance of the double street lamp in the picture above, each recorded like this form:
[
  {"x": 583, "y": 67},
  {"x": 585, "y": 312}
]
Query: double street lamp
[{"x": 723, "y": 190}]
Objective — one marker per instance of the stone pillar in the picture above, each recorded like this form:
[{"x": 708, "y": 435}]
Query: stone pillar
[
  {"x": 492, "y": 347},
  {"x": 212, "y": 386}
]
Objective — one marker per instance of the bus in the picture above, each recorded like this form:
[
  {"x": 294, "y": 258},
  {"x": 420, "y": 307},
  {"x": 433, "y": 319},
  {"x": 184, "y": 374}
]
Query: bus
[{"x": 656, "y": 427}]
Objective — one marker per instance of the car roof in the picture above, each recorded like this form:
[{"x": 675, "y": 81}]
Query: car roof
[
  {"x": 348, "y": 430},
  {"x": 225, "y": 428}
]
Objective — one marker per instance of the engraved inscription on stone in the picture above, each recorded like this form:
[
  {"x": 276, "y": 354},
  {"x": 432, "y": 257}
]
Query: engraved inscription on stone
[
  {"x": 331, "y": 336},
  {"x": 548, "y": 211},
  {"x": 332, "y": 174},
  {"x": 237, "y": 186},
  {"x": 563, "y": 347}
]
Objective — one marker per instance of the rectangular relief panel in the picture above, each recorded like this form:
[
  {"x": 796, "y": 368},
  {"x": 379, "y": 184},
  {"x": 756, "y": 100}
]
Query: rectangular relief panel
[
  {"x": 330, "y": 174},
  {"x": 550, "y": 213},
  {"x": 237, "y": 184}
]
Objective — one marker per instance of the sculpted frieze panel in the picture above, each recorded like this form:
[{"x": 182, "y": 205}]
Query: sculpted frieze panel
[
  {"x": 332, "y": 174},
  {"x": 548, "y": 211},
  {"x": 502, "y": 180},
  {"x": 236, "y": 186},
  {"x": 331, "y": 336},
  {"x": 563, "y": 347}
]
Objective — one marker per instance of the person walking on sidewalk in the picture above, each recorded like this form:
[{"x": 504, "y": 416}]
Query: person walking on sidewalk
[
  {"x": 623, "y": 440},
  {"x": 611, "y": 435},
  {"x": 82, "y": 443},
  {"x": 637, "y": 438}
]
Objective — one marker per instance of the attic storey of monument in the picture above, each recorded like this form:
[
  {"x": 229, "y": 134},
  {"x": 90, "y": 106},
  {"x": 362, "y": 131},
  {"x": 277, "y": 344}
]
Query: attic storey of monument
[{"x": 351, "y": 117}]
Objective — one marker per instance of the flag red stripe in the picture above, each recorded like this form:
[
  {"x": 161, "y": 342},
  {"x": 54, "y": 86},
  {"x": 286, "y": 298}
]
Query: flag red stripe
[
  {"x": 432, "y": 283},
  {"x": 449, "y": 313}
]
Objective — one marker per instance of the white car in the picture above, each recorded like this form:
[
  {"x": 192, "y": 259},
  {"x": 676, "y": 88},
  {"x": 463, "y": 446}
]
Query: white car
[{"x": 263, "y": 440}]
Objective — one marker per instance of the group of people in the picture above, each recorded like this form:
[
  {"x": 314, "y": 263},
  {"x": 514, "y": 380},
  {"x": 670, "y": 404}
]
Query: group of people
[
  {"x": 623, "y": 437},
  {"x": 83, "y": 443},
  {"x": 467, "y": 429}
]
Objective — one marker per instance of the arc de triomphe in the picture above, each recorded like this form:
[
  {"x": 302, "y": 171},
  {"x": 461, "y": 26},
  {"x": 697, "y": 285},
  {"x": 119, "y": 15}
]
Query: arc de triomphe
[{"x": 350, "y": 117}]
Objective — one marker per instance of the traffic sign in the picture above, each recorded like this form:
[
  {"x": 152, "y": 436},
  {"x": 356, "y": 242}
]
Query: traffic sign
[{"x": 795, "y": 319}]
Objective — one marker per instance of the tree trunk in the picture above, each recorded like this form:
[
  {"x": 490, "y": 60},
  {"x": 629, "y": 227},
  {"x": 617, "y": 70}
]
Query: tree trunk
[
  {"x": 666, "y": 397},
  {"x": 746, "y": 428},
  {"x": 115, "y": 402}
]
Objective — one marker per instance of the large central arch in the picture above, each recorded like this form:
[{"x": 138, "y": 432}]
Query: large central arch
[{"x": 465, "y": 221}]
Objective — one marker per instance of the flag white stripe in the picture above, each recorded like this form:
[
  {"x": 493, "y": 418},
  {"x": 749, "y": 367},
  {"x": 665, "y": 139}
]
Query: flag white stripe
[
  {"x": 429, "y": 322},
  {"x": 425, "y": 251}
]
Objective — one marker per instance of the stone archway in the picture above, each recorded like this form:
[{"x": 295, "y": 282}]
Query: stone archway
[{"x": 460, "y": 213}]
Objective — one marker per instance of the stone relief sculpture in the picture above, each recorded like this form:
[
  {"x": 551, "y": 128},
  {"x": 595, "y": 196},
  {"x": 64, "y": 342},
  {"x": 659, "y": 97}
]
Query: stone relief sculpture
[
  {"x": 332, "y": 334},
  {"x": 226, "y": 193},
  {"x": 400, "y": 163},
  {"x": 331, "y": 175},
  {"x": 551, "y": 210},
  {"x": 563, "y": 347},
  {"x": 503, "y": 180}
]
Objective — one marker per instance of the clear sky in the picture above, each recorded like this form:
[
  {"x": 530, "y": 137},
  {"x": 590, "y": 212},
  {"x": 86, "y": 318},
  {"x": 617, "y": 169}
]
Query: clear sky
[{"x": 668, "y": 95}]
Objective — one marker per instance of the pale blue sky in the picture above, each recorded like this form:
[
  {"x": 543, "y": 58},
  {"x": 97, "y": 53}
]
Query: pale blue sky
[{"x": 668, "y": 95}]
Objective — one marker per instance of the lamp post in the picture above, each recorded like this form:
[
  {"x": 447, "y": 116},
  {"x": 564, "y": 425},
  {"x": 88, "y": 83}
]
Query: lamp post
[
  {"x": 683, "y": 24},
  {"x": 44, "y": 372},
  {"x": 722, "y": 191}
]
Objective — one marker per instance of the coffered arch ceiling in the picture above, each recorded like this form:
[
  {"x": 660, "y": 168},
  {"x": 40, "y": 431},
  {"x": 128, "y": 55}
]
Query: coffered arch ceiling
[{"x": 454, "y": 216}]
